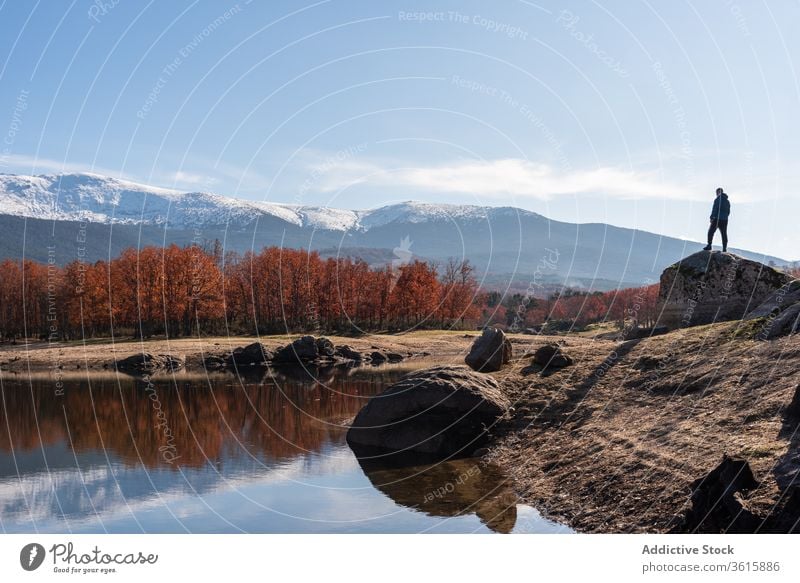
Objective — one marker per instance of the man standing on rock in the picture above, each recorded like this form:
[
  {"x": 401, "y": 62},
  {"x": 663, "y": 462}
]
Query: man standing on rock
[{"x": 719, "y": 220}]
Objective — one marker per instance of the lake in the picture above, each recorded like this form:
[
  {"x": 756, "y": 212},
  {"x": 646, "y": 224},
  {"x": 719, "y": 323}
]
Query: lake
[{"x": 218, "y": 453}]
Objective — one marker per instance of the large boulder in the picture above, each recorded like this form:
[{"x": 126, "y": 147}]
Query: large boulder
[
  {"x": 711, "y": 286},
  {"x": 434, "y": 413},
  {"x": 716, "y": 505},
  {"x": 306, "y": 349},
  {"x": 780, "y": 312},
  {"x": 490, "y": 351},
  {"x": 255, "y": 354},
  {"x": 146, "y": 363}
]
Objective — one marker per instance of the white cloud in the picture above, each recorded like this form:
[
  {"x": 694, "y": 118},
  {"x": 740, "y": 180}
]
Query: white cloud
[{"x": 504, "y": 177}]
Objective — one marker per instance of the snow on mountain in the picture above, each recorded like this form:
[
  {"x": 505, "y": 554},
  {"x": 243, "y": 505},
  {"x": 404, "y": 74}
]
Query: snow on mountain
[{"x": 95, "y": 198}]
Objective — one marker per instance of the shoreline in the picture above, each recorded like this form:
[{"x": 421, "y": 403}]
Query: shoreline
[{"x": 610, "y": 444}]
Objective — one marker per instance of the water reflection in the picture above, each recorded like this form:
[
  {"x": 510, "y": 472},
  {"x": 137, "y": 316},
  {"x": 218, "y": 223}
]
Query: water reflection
[
  {"x": 218, "y": 453},
  {"x": 451, "y": 488}
]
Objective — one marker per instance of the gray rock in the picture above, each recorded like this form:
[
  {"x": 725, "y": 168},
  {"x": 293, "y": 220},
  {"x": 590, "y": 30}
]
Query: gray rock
[
  {"x": 348, "y": 353},
  {"x": 305, "y": 349},
  {"x": 550, "y": 356},
  {"x": 780, "y": 311},
  {"x": 436, "y": 412},
  {"x": 711, "y": 286},
  {"x": 490, "y": 351},
  {"x": 255, "y": 354},
  {"x": 146, "y": 363}
]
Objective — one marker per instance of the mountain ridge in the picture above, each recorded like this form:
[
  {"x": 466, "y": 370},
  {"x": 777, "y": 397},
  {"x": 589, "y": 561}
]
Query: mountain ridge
[{"x": 91, "y": 217}]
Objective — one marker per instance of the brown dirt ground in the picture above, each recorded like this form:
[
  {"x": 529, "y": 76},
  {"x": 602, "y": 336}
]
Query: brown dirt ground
[{"x": 612, "y": 443}]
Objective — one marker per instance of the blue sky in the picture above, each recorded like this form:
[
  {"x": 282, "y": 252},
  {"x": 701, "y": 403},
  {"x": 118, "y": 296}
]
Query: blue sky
[{"x": 630, "y": 113}]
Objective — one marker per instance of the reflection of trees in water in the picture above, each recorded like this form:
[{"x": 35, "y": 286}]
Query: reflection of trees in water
[
  {"x": 273, "y": 419},
  {"x": 451, "y": 488}
]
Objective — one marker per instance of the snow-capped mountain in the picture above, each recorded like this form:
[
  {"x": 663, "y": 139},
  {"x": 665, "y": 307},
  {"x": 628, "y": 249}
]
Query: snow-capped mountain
[
  {"x": 100, "y": 199},
  {"x": 89, "y": 217}
]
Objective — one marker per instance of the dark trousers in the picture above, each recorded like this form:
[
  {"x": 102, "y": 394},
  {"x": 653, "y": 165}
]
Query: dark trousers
[{"x": 723, "y": 228}]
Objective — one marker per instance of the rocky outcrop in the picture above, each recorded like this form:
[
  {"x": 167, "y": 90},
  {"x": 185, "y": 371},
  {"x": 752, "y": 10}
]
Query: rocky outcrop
[
  {"x": 434, "y": 413},
  {"x": 304, "y": 350},
  {"x": 346, "y": 352},
  {"x": 780, "y": 312},
  {"x": 255, "y": 354},
  {"x": 146, "y": 363},
  {"x": 711, "y": 286},
  {"x": 550, "y": 356},
  {"x": 716, "y": 505},
  {"x": 490, "y": 351}
]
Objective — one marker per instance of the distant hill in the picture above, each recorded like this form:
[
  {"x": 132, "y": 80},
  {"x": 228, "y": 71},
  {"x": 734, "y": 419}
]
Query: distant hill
[{"x": 94, "y": 217}]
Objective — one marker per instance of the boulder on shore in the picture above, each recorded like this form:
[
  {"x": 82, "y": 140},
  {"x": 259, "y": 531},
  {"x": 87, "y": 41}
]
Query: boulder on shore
[
  {"x": 146, "y": 363},
  {"x": 490, "y": 351},
  {"x": 711, "y": 286},
  {"x": 348, "y": 353},
  {"x": 305, "y": 349},
  {"x": 435, "y": 413},
  {"x": 255, "y": 354}
]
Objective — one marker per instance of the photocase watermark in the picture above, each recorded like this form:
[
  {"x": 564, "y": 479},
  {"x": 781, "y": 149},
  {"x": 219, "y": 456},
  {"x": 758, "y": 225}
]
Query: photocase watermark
[
  {"x": 741, "y": 21},
  {"x": 171, "y": 68},
  {"x": 450, "y": 486},
  {"x": 14, "y": 127},
  {"x": 679, "y": 114},
  {"x": 169, "y": 452},
  {"x": 402, "y": 253},
  {"x": 547, "y": 264},
  {"x": 32, "y": 556},
  {"x": 329, "y": 163},
  {"x": 101, "y": 8},
  {"x": 769, "y": 323},
  {"x": 527, "y": 113},
  {"x": 488, "y": 24},
  {"x": 569, "y": 21}
]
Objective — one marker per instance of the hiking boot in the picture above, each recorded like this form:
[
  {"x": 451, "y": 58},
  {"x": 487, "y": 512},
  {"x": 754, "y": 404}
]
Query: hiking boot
[{"x": 707, "y": 248}]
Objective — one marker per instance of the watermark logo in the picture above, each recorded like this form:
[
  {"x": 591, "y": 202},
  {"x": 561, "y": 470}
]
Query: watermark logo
[
  {"x": 402, "y": 253},
  {"x": 31, "y": 556}
]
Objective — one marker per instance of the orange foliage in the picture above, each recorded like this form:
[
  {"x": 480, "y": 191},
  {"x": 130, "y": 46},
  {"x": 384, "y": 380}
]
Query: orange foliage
[{"x": 187, "y": 290}]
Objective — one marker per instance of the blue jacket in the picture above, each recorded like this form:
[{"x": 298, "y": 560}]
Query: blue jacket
[{"x": 722, "y": 208}]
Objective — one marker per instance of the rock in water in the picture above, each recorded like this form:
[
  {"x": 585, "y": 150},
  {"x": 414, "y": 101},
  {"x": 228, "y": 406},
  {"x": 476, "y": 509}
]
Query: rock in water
[
  {"x": 710, "y": 286},
  {"x": 490, "y": 351},
  {"x": 434, "y": 413},
  {"x": 146, "y": 363}
]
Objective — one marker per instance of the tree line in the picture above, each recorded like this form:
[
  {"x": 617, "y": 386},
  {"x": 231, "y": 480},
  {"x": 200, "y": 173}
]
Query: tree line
[
  {"x": 192, "y": 290},
  {"x": 189, "y": 290}
]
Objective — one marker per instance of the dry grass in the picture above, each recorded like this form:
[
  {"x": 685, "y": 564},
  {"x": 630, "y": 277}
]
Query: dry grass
[{"x": 612, "y": 443}]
